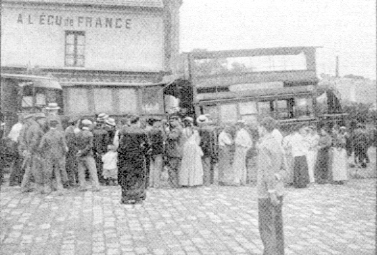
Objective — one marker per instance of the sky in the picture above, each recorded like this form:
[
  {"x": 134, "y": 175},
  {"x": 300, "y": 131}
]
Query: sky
[{"x": 344, "y": 28}]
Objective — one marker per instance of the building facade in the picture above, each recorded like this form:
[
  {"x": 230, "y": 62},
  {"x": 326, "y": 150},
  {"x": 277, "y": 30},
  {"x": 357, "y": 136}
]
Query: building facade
[{"x": 109, "y": 56}]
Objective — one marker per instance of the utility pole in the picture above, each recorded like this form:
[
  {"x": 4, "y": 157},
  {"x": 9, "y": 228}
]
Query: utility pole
[{"x": 337, "y": 67}]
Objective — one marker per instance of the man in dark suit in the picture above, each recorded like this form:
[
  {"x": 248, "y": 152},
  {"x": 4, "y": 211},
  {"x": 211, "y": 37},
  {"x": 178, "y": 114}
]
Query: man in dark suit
[
  {"x": 100, "y": 142},
  {"x": 85, "y": 156},
  {"x": 53, "y": 147},
  {"x": 33, "y": 157},
  {"x": 174, "y": 149}
]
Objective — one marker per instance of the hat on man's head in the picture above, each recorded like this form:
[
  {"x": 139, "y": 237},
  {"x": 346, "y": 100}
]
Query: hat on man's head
[
  {"x": 189, "y": 119},
  {"x": 39, "y": 115},
  {"x": 174, "y": 116},
  {"x": 52, "y": 106},
  {"x": 86, "y": 123},
  {"x": 102, "y": 117},
  {"x": 110, "y": 122},
  {"x": 202, "y": 119}
]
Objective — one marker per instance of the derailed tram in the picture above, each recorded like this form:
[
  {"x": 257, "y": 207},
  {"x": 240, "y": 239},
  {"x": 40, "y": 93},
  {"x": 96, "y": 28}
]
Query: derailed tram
[{"x": 248, "y": 84}]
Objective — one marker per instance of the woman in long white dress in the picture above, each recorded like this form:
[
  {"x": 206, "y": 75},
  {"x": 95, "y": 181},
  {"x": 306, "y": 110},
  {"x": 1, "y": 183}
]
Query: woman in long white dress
[{"x": 191, "y": 173}]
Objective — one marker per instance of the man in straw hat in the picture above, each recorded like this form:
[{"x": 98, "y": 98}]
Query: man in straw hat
[{"x": 270, "y": 188}]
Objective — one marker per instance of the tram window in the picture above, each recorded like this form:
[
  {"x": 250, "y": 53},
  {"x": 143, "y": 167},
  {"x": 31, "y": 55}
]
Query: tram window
[
  {"x": 228, "y": 113},
  {"x": 282, "y": 111},
  {"x": 248, "y": 108},
  {"x": 265, "y": 108},
  {"x": 304, "y": 107}
]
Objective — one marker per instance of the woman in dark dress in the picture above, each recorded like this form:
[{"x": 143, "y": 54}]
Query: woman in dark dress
[
  {"x": 322, "y": 168},
  {"x": 133, "y": 145}
]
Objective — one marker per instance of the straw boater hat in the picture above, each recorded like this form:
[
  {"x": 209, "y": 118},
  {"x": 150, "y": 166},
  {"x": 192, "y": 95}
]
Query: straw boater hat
[
  {"x": 86, "y": 123},
  {"x": 52, "y": 106},
  {"x": 102, "y": 117},
  {"x": 110, "y": 122},
  {"x": 202, "y": 119}
]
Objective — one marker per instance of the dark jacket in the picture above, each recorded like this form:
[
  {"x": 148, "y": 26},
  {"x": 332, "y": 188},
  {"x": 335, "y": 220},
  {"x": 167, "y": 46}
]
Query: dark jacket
[
  {"x": 84, "y": 143},
  {"x": 34, "y": 136},
  {"x": 174, "y": 144},
  {"x": 100, "y": 141},
  {"x": 53, "y": 144}
]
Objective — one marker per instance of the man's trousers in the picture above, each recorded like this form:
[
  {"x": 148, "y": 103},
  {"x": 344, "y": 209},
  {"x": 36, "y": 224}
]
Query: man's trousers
[
  {"x": 56, "y": 166},
  {"x": 271, "y": 226},
  {"x": 89, "y": 163},
  {"x": 174, "y": 166}
]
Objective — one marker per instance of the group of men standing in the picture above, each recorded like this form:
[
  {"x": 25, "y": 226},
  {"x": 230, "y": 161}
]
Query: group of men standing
[{"x": 40, "y": 149}]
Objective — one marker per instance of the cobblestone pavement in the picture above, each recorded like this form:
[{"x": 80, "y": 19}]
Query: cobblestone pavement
[{"x": 321, "y": 219}]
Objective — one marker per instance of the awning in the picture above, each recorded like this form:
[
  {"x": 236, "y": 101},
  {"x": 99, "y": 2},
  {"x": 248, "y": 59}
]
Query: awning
[{"x": 38, "y": 81}]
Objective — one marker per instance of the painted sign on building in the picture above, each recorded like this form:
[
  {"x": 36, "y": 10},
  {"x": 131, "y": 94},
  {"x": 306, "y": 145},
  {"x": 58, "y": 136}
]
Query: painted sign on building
[{"x": 83, "y": 38}]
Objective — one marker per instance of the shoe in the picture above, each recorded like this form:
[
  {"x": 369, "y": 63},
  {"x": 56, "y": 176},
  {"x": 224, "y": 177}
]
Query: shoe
[{"x": 96, "y": 189}]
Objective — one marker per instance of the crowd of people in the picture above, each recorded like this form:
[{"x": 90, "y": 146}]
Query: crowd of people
[{"x": 135, "y": 153}]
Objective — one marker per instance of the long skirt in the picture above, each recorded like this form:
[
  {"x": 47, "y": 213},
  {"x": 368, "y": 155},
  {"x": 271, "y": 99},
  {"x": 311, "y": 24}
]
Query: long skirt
[
  {"x": 339, "y": 165},
  {"x": 239, "y": 165},
  {"x": 191, "y": 172},
  {"x": 290, "y": 162},
  {"x": 226, "y": 175},
  {"x": 132, "y": 177},
  {"x": 322, "y": 166},
  {"x": 311, "y": 158},
  {"x": 300, "y": 172}
]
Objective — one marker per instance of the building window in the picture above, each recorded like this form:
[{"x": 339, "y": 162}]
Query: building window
[{"x": 74, "y": 48}]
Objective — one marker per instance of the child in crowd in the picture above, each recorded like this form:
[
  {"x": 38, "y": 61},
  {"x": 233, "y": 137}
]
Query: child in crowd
[{"x": 110, "y": 169}]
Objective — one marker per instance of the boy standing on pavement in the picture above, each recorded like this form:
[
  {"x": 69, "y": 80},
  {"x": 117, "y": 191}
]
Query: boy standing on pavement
[
  {"x": 270, "y": 188},
  {"x": 54, "y": 147}
]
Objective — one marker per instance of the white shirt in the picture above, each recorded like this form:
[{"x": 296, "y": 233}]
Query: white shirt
[
  {"x": 243, "y": 139},
  {"x": 110, "y": 160},
  {"x": 224, "y": 139},
  {"x": 277, "y": 135},
  {"x": 299, "y": 145},
  {"x": 15, "y": 131}
]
